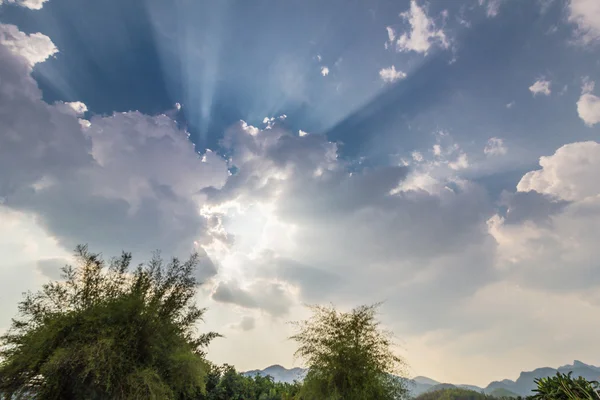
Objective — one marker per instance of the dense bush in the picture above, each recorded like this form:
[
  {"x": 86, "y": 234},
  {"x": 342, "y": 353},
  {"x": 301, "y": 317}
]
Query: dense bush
[
  {"x": 348, "y": 356},
  {"x": 106, "y": 332},
  {"x": 225, "y": 383}
]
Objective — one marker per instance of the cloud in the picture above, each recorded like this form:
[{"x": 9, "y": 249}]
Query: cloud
[
  {"x": 437, "y": 169},
  {"x": 569, "y": 174},
  {"x": 247, "y": 323},
  {"x": 461, "y": 162},
  {"x": 588, "y": 105},
  {"x": 556, "y": 252},
  {"x": 540, "y": 86},
  {"x": 417, "y": 156},
  {"x": 547, "y": 243},
  {"x": 31, "y": 4},
  {"x": 143, "y": 178},
  {"x": 586, "y": 15},
  {"x": 227, "y": 292},
  {"x": 38, "y": 141},
  {"x": 492, "y": 7},
  {"x": 539, "y": 251},
  {"x": 272, "y": 297},
  {"x": 35, "y": 48},
  {"x": 494, "y": 147},
  {"x": 324, "y": 71},
  {"x": 530, "y": 206},
  {"x": 313, "y": 282},
  {"x": 318, "y": 209},
  {"x": 25, "y": 247},
  {"x": 75, "y": 108},
  {"x": 423, "y": 33},
  {"x": 510, "y": 105},
  {"x": 128, "y": 181},
  {"x": 78, "y": 107},
  {"x": 51, "y": 267},
  {"x": 555, "y": 256},
  {"x": 390, "y": 74},
  {"x": 391, "y": 34}
]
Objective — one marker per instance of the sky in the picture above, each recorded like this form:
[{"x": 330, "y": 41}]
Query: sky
[{"x": 440, "y": 157}]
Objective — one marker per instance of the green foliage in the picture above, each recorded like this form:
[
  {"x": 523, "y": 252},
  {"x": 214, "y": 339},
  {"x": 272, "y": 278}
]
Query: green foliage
[
  {"x": 452, "y": 394},
  {"x": 106, "y": 332},
  {"x": 348, "y": 355},
  {"x": 459, "y": 394},
  {"x": 503, "y": 393},
  {"x": 224, "y": 383},
  {"x": 565, "y": 387}
]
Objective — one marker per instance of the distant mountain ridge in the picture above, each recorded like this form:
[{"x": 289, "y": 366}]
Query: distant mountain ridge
[
  {"x": 525, "y": 382},
  {"x": 279, "y": 373},
  {"x": 523, "y": 386}
]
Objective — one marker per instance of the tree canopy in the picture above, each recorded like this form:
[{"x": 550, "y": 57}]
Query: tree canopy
[
  {"x": 225, "y": 383},
  {"x": 108, "y": 332},
  {"x": 457, "y": 394},
  {"x": 349, "y": 356}
]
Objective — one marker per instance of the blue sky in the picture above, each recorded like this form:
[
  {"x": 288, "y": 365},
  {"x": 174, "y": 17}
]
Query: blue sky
[{"x": 437, "y": 155}]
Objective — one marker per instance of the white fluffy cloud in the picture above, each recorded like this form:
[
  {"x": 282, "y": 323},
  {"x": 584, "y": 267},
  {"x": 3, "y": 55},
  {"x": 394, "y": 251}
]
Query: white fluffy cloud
[
  {"x": 134, "y": 171},
  {"x": 461, "y": 162},
  {"x": 588, "y": 105},
  {"x": 569, "y": 174},
  {"x": 586, "y": 15},
  {"x": 390, "y": 75},
  {"x": 78, "y": 107},
  {"x": 495, "y": 147},
  {"x": 564, "y": 247},
  {"x": 422, "y": 35},
  {"x": 31, "y": 4},
  {"x": 324, "y": 71},
  {"x": 540, "y": 86},
  {"x": 35, "y": 48}
]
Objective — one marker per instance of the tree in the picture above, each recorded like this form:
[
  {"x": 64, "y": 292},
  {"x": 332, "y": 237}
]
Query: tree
[
  {"x": 106, "y": 332},
  {"x": 565, "y": 387},
  {"x": 225, "y": 383},
  {"x": 234, "y": 386},
  {"x": 456, "y": 394},
  {"x": 348, "y": 355}
]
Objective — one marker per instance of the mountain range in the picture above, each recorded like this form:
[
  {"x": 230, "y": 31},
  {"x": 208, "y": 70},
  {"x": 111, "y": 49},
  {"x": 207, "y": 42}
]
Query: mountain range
[
  {"x": 522, "y": 386},
  {"x": 279, "y": 373}
]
